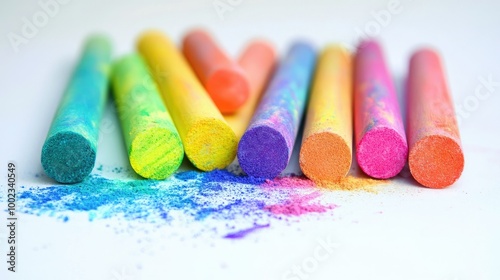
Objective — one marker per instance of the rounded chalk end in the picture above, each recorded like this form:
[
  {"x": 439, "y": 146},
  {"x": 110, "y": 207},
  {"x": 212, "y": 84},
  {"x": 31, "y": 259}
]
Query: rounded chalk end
[
  {"x": 436, "y": 161},
  {"x": 229, "y": 89},
  {"x": 68, "y": 157},
  {"x": 325, "y": 157},
  {"x": 382, "y": 153},
  {"x": 156, "y": 153},
  {"x": 210, "y": 144},
  {"x": 263, "y": 152}
]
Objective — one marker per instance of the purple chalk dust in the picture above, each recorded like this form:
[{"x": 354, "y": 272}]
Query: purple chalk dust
[{"x": 244, "y": 232}]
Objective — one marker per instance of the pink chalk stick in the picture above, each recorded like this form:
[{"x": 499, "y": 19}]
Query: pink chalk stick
[{"x": 381, "y": 147}]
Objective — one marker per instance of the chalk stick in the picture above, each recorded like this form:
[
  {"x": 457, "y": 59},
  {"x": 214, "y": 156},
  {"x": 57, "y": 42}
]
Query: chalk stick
[
  {"x": 69, "y": 151},
  {"x": 326, "y": 151},
  {"x": 153, "y": 144},
  {"x": 381, "y": 147},
  {"x": 267, "y": 144},
  {"x": 208, "y": 140},
  {"x": 258, "y": 61},
  {"x": 436, "y": 158},
  {"x": 223, "y": 79}
]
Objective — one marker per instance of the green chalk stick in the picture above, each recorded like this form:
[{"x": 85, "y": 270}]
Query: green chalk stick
[
  {"x": 69, "y": 152},
  {"x": 154, "y": 146}
]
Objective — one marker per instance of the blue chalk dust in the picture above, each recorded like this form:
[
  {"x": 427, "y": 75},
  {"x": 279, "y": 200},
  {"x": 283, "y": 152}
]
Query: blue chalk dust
[
  {"x": 197, "y": 195},
  {"x": 221, "y": 202}
]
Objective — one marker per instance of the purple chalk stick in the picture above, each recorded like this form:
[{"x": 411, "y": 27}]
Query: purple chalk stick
[
  {"x": 263, "y": 144},
  {"x": 266, "y": 146}
]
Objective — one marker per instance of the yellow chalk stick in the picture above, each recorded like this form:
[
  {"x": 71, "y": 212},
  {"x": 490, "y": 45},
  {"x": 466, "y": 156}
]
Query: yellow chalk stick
[{"x": 208, "y": 140}]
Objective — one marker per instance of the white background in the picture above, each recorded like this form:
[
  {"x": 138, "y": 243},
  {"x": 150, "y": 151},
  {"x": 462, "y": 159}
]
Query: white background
[{"x": 403, "y": 232}]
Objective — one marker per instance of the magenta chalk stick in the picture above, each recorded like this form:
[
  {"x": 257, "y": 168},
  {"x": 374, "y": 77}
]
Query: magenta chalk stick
[{"x": 381, "y": 147}]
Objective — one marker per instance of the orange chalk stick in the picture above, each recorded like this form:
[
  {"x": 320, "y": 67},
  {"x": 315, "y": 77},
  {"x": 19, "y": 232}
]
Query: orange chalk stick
[
  {"x": 326, "y": 152},
  {"x": 436, "y": 159},
  {"x": 258, "y": 61},
  {"x": 223, "y": 79}
]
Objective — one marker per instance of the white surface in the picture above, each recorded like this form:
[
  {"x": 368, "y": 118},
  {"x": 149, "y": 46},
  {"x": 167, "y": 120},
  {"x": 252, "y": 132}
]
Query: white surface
[{"x": 403, "y": 232}]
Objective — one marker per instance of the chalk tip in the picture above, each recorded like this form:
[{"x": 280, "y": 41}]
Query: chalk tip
[
  {"x": 436, "y": 161},
  {"x": 426, "y": 50},
  {"x": 100, "y": 39},
  {"x": 325, "y": 157},
  {"x": 149, "y": 36},
  {"x": 264, "y": 45},
  {"x": 263, "y": 152},
  {"x": 336, "y": 47},
  {"x": 382, "y": 153},
  {"x": 229, "y": 89},
  {"x": 156, "y": 153},
  {"x": 369, "y": 44},
  {"x": 210, "y": 144},
  {"x": 304, "y": 45},
  {"x": 68, "y": 157},
  {"x": 425, "y": 53},
  {"x": 197, "y": 31}
]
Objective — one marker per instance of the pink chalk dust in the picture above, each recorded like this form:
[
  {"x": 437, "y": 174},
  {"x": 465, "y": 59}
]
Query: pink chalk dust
[{"x": 299, "y": 205}]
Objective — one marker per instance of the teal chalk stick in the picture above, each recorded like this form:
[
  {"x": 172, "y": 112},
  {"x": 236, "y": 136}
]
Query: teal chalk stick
[{"x": 69, "y": 152}]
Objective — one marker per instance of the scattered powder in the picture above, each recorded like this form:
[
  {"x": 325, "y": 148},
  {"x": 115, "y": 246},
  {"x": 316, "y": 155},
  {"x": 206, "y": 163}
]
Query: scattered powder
[
  {"x": 299, "y": 205},
  {"x": 241, "y": 204},
  {"x": 290, "y": 181},
  {"x": 244, "y": 232},
  {"x": 296, "y": 204},
  {"x": 351, "y": 183},
  {"x": 116, "y": 170}
]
